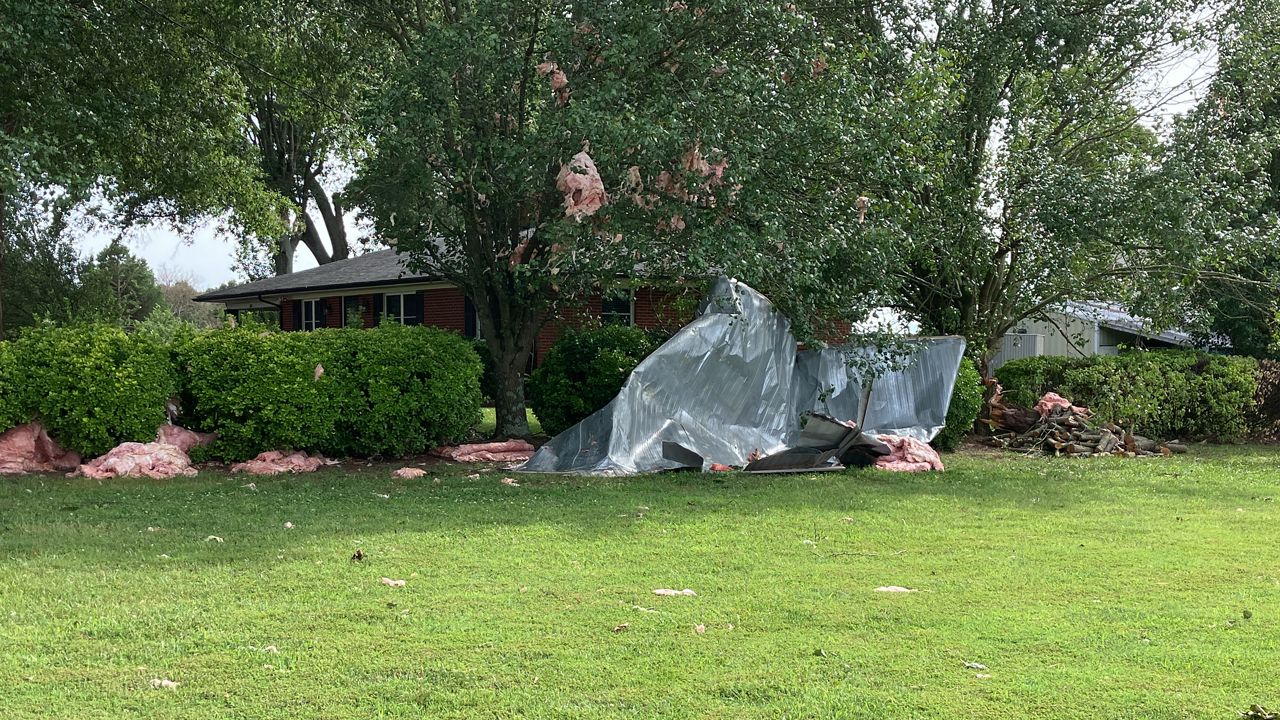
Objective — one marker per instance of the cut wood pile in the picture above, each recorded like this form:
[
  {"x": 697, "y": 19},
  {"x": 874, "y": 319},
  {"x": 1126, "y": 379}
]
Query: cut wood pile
[{"x": 1056, "y": 427}]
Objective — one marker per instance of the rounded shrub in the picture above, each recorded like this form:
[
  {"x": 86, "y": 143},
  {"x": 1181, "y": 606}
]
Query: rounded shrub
[
  {"x": 583, "y": 371},
  {"x": 259, "y": 390},
  {"x": 402, "y": 390},
  {"x": 966, "y": 403},
  {"x": 93, "y": 386},
  {"x": 392, "y": 390}
]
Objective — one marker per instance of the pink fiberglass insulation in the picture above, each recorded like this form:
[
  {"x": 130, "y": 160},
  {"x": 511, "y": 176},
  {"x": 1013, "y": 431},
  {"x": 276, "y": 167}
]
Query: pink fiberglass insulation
[
  {"x": 274, "y": 462},
  {"x": 1052, "y": 401},
  {"x": 155, "y": 460},
  {"x": 583, "y": 189},
  {"x": 506, "y": 451},
  {"x": 182, "y": 438},
  {"x": 908, "y": 454},
  {"x": 28, "y": 448}
]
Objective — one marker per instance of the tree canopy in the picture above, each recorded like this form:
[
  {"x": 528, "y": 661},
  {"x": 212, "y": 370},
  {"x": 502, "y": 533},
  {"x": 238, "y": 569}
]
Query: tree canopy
[{"x": 532, "y": 152}]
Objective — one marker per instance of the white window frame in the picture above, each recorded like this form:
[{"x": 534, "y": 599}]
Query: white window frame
[
  {"x": 314, "y": 322},
  {"x": 631, "y": 309},
  {"x": 386, "y": 301}
]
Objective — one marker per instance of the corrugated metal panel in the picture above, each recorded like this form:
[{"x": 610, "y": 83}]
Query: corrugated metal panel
[
  {"x": 1016, "y": 346},
  {"x": 730, "y": 383}
]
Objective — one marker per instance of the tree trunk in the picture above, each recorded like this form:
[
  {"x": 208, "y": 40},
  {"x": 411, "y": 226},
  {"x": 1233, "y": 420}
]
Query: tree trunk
[
  {"x": 508, "y": 399},
  {"x": 282, "y": 259},
  {"x": 510, "y": 331}
]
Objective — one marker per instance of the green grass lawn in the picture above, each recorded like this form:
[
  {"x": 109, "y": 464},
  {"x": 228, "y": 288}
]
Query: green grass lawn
[
  {"x": 489, "y": 421},
  {"x": 1089, "y": 589}
]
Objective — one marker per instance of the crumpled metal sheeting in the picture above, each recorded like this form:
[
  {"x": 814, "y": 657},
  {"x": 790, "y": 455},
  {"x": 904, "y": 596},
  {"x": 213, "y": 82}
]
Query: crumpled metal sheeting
[
  {"x": 727, "y": 384},
  {"x": 910, "y": 402},
  {"x": 717, "y": 386}
]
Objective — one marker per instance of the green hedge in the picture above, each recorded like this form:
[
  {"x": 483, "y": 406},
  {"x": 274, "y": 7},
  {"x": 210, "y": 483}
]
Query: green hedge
[
  {"x": 1163, "y": 393},
  {"x": 402, "y": 390},
  {"x": 93, "y": 386},
  {"x": 390, "y": 390},
  {"x": 10, "y": 412},
  {"x": 258, "y": 391},
  {"x": 1025, "y": 381},
  {"x": 966, "y": 403},
  {"x": 583, "y": 371}
]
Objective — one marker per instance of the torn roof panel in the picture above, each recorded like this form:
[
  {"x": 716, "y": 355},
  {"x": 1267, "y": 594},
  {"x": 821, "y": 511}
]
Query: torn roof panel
[{"x": 730, "y": 383}]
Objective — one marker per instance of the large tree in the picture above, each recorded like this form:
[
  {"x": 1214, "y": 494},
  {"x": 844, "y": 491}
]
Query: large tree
[
  {"x": 305, "y": 70},
  {"x": 1226, "y": 160},
  {"x": 40, "y": 268},
  {"x": 1049, "y": 184},
  {"x": 124, "y": 101},
  {"x": 532, "y": 151},
  {"x": 117, "y": 286}
]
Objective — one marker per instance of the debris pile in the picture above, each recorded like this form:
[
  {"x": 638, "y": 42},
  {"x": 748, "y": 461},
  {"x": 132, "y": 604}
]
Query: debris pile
[
  {"x": 730, "y": 390},
  {"x": 506, "y": 451},
  {"x": 155, "y": 460},
  {"x": 28, "y": 448},
  {"x": 907, "y": 454},
  {"x": 275, "y": 462},
  {"x": 160, "y": 460},
  {"x": 1056, "y": 427},
  {"x": 183, "y": 438}
]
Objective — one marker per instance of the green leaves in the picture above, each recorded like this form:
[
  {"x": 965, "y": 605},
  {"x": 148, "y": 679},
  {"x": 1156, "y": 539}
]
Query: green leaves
[
  {"x": 583, "y": 371},
  {"x": 128, "y": 99},
  {"x": 391, "y": 390},
  {"x": 966, "y": 404},
  {"x": 1166, "y": 394},
  {"x": 1046, "y": 183},
  {"x": 92, "y": 386}
]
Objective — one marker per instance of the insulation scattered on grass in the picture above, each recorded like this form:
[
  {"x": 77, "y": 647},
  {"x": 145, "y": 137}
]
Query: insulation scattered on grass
[
  {"x": 274, "y": 462},
  {"x": 668, "y": 592}
]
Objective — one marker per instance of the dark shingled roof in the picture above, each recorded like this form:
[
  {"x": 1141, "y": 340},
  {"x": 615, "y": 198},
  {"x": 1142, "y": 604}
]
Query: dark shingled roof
[{"x": 383, "y": 267}]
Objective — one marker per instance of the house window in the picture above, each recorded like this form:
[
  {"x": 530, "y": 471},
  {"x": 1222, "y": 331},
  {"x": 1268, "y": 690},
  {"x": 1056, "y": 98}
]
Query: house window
[
  {"x": 400, "y": 307},
  {"x": 352, "y": 312},
  {"x": 618, "y": 309},
  {"x": 311, "y": 314}
]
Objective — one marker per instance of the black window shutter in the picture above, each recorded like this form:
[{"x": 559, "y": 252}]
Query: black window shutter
[
  {"x": 322, "y": 313},
  {"x": 416, "y": 304},
  {"x": 297, "y": 315},
  {"x": 468, "y": 317},
  {"x": 377, "y": 309}
]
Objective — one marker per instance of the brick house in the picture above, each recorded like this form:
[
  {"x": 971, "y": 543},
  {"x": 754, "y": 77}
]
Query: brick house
[{"x": 362, "y": 291}]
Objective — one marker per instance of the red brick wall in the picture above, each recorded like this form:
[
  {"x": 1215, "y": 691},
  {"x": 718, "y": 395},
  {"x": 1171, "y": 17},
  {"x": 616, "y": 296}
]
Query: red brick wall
[
  {"x": 547, "y": 337},
  {"x": 444, "y": 308},
  {"x": 658, "y": 310},
  {"x": 334, "y": 318},
  {"x": 287, "y": 321},
  {"x": 369, "y": 310}
]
